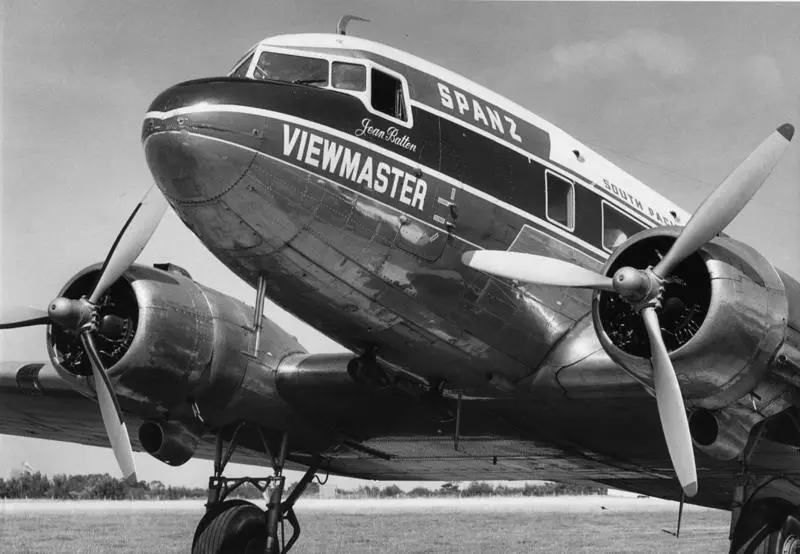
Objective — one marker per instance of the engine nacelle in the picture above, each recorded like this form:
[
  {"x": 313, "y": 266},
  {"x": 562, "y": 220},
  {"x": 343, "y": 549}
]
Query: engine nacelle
[
  {"x": 723, "y": 317},
  {"x": 172, "y": 443},
  {"x": 171, "y": 344}
]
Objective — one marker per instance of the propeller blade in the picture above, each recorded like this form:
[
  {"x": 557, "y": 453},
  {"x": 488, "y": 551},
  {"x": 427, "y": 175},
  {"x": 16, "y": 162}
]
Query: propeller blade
[
  {"x": 131, "y": 240},
  {"x": 14, "y": 317},
  {"x": 727, "y": 200},
  {"x": 111, "y": 413},
  {"x": 671, "y": 410},
  {"x": 532, "y": 268}
]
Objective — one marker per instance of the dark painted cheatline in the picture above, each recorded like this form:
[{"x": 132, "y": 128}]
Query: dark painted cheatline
[{"x": 438, "y": 143}]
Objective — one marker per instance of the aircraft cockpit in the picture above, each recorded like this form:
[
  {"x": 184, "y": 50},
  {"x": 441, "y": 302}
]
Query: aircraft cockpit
[{"x": 383, "y": 92}]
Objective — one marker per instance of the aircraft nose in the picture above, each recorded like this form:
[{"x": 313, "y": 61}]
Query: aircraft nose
[
  {"x": 195, "y": 152},
  {"x": 191, "y": 167},
  {"x": 206, "y": 151}
]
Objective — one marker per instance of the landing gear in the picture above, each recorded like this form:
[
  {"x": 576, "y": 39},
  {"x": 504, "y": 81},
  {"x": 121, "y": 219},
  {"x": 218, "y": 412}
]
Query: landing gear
[
  {"x": 241, "y": 526},
  {"x": 765, "y": 515},
  {"x": 787, "y": 538},
  {"x": 767, "y": 527},
  {"x": 231, "y": 526}
]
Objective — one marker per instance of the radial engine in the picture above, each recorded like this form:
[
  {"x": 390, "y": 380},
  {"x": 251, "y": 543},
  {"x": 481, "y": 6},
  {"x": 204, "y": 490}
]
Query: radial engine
[
  {"x": 172, "y": 345},
  {"x": 723, "y": 317}
]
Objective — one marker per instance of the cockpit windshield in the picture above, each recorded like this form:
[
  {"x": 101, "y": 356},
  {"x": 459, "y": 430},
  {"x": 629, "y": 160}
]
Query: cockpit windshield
[
  {"x": 382, "y": 91},
  {"x": 291, "y": 69},
  {"x": 241, "y": 69}
]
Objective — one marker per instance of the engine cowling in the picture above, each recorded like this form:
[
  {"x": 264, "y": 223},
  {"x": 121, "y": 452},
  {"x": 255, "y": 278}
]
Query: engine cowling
[
  {"x": 723, "y": 317},
  {"x": 169, "y": 342}
]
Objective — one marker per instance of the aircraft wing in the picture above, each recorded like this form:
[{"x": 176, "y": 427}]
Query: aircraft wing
[
  {"x": 381, "y": 434},
  {"x": 36, "y": 402}
]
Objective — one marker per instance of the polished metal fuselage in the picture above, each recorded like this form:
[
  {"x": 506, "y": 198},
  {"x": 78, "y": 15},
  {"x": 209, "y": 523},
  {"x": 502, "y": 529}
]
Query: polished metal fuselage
[
  {"x": 371, "y": 266},
  {"x": 353, "y": 265}
]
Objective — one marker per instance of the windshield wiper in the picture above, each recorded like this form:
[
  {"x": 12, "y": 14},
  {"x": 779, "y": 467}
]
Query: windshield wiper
[{"x": 309, "y": 81}]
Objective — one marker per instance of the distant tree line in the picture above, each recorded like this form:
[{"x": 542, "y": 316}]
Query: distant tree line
[
  {"x": 101, "y": 487},
  {"x": 475, "y": 488},
  {"x": 104, "y": 487}
]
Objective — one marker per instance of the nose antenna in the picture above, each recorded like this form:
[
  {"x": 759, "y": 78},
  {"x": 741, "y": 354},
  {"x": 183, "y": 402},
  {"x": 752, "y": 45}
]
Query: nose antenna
[{"x": 341, "y": 28}]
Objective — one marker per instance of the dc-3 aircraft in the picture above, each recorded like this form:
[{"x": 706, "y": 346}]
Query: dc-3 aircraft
[{"x": 517, "y": 307}]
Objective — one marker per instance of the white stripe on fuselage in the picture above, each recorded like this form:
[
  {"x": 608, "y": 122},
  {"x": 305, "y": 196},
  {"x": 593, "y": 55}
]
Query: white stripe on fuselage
[{"x": 554, "y": 231}]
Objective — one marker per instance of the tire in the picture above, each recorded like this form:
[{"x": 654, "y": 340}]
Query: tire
[
  {"x": 233, "y": 526},
  {"x": 778, "y": 534},
  {"x": 785, "y": 540}
]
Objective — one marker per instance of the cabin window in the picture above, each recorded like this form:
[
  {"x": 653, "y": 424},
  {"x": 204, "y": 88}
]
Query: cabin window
[
  {"x": 291, "y": 69},
  {"x": 617, "y": 227},
  {"x": 560, "y": 204},
  {"x": 241, "y": 70},
  {"x": 349, "y": 76},
  {"x": 387, "y": 95}
]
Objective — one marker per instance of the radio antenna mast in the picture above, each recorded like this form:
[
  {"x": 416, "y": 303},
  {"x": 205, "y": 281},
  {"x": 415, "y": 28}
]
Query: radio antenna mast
[{"x": 341, "y": 28}]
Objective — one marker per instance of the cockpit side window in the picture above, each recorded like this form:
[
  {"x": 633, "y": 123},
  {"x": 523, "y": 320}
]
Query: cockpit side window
[
  {"x": 387, "y": 95},
  {"x": 241, "y": 71},
  {"x": 291, "y": 69},
  {"x": 349, "y": 76}
]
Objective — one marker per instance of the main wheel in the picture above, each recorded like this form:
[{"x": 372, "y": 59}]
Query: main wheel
[
  {"x": 770, "y": 527},
  {"x": 233, "y": 526},
  {"x": 785, "y": 540}
]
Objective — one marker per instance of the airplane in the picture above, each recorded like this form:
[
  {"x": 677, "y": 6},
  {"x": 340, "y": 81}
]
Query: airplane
[{"x": 515, "y": 305}]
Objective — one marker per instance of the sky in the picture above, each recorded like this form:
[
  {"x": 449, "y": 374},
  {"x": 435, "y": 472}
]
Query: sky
[{"x": 677, "y": 94}]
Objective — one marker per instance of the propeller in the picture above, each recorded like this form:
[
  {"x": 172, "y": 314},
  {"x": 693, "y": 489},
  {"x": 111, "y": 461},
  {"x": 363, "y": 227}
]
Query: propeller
[
  {"x": 671, "y": 410},
  {"x": 82, "y": 316},
  {"x": 110, "y": 412},
  {"x": 642, "y": 288},
  {"x": 536, "y": 269},
  {"x": 13, "y": 317},
  {"x": 131, "y": 240},
  {"x": 728, "y": 199}
]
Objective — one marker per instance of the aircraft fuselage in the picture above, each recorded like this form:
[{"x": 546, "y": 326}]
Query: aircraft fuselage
[{"x": 358, "y": 214}]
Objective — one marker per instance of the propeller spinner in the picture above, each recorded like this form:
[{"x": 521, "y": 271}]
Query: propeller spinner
[
  {"x": 642, "y": 288},
  {"x": 81, "y": 316}
]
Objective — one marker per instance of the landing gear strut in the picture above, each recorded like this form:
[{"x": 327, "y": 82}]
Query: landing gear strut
[{"x": 241, "y": 526}]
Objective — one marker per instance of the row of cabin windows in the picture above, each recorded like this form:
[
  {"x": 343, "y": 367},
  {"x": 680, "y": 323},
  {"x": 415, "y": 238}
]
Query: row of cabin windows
[
  {"x": 386, "y": 91},
  {"x": 560, "y": 209}
]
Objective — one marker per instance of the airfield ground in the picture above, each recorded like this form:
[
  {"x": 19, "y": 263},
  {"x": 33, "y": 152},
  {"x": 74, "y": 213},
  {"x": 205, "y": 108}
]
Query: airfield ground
[{"x": 561, "y": 524}]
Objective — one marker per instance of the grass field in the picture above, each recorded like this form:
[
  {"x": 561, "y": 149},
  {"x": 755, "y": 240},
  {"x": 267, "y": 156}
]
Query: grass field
[{"x": 475, "y": 525}]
